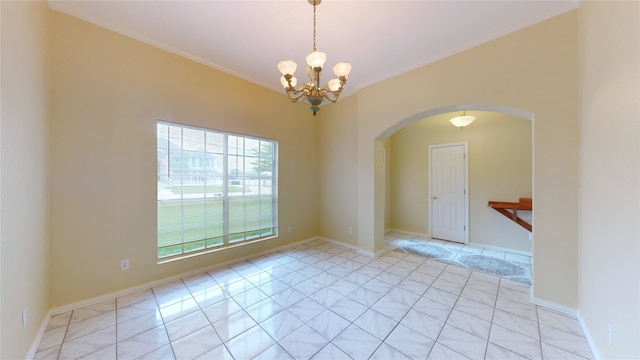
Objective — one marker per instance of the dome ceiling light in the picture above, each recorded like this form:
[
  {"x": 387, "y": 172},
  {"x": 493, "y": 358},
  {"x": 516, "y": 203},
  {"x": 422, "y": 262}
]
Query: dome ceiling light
[{"x": 462, "y": 120}]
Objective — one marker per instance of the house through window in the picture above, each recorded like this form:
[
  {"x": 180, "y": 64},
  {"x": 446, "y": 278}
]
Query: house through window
[{"x": 214, "y": 190}]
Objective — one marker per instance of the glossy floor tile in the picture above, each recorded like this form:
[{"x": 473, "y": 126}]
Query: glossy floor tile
[
  {"x": 504, "y": 264},
  {"x": 320, "y": 300}
]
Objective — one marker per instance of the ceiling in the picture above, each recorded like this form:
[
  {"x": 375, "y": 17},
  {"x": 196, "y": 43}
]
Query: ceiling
[{"x": 247, "y": 39}]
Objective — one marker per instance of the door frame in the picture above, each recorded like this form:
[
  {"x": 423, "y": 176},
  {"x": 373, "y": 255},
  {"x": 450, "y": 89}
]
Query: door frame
[{"x": 465, "y": 145}]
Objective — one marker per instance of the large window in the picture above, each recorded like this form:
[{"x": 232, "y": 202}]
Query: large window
[{"x": 214, "y": 190}]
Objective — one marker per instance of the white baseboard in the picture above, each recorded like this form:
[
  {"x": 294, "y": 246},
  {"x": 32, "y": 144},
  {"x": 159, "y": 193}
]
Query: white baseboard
[
  {"x": 155, "y": 283},
  {"x": 480, "y": 245},
  {"x": 115, "y": 294},
  {"x": 370, "y": 254},
  {"x": 374, "y": 255},
  {"x": 499, "y": 248},
  {"x": 562, "y": 309},
  {"x": 421, "y": 235},
  {"x": 336, "y": 242},
  {"x": 571, "y": 312},
  {"x": 36, "y": 342},
  {"x": 587, "y": 335}
]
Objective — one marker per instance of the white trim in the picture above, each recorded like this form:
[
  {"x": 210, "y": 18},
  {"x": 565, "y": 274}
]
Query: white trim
[
  {"x": 336, "y": 242},
  {"x": 499, "y": 248},
  {"x": 562, "y": 309},
  {"x": 131, "y": 290},
  {"x": 421, "y": 235},
  {"x": 59, "y": 6},
  {"x": 33, "y": 349},
  {"x": 568, "y": 6},
  {"x": 587, "y": 335},
  {"x": 98, "y": 299},
  {"x": 374, "y": 255},
  {"x": 571, "y": 312},
  {"x": 484, "y": 246},
  {"x": 370, "y": 254},
  {"x": 367, "y": 253}
]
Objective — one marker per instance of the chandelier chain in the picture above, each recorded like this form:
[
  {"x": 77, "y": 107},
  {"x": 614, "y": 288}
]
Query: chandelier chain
[{"x": 314, "y": 26}]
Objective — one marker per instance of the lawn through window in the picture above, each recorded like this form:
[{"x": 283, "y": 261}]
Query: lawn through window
[{"x": 214, "y": 189}]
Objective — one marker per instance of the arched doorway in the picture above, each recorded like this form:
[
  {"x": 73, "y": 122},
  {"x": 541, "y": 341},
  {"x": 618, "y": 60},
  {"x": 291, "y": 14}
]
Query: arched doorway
[
  {"x": 498, "y": 167},
  {"x": 379, "y": 154}
]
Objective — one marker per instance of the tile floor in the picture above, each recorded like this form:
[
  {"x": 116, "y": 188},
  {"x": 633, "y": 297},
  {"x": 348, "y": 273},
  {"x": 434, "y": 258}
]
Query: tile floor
[
  {"x": 504, "y": 264},
  {"x": 320, "y": 300}
]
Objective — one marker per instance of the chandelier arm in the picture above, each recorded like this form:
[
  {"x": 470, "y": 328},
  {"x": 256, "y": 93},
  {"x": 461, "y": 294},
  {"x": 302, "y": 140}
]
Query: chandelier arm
[
  {"x": 333, "y": 97},
  {"x": 297, "y": 94},
  {"x": 309, "y": 71},
  {"x": 293, "y": 97}
]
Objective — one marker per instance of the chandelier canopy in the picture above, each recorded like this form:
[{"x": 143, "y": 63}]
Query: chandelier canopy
[{"x": 312, "y": 92}]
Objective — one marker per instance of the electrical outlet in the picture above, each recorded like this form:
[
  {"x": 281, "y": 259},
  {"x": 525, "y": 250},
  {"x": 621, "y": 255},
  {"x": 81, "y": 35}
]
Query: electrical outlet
[
  {"x": 609, "y": 334},
  {"x": 124, "y": 264},
  {"x": 290, "y": 229},
  {"x": 24, "y": 317},
  {"x": 350, "y": 230}
]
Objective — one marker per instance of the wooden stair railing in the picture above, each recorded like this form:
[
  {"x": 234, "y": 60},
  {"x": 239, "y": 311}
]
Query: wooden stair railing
[{"x": 503, "y": 208}]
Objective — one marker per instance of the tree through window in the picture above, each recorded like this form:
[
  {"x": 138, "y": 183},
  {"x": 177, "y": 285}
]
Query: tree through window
[{"x": 214, "y": 189}]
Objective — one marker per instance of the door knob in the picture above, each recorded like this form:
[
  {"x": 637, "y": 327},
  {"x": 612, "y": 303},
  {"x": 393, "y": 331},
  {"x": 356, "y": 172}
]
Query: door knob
[{"x": 434, "y": 197}]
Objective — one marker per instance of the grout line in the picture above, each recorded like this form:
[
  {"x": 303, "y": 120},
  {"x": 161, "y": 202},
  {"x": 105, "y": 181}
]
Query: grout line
[{"x": 321, "y": 257}]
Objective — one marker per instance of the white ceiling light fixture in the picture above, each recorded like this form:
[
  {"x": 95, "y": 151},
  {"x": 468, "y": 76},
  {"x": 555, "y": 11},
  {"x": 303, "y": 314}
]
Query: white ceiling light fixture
[
  {"x": 462, "y": 120},
  {"x": 311, "y": 91}
]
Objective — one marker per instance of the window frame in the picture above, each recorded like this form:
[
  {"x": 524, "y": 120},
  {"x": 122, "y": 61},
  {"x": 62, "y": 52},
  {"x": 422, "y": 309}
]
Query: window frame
[{"x": 210, "y": 176}]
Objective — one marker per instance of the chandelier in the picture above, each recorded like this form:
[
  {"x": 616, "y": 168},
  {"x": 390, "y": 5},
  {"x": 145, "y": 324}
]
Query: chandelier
[
  {"x": 312, "y": 92},
  {"x": 462, "y": 120}
]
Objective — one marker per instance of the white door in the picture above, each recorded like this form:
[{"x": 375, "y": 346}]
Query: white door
[{"x": 448, "y": 190}]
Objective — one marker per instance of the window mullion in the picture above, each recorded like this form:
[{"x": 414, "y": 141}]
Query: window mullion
[
  {"x": 244, "y": 190},
  {"x": 181, "y": 170},
  {"x": 225, "y": 189},
  {"x": 205, "y": 176},
  {"x": 274, "y": 188}
]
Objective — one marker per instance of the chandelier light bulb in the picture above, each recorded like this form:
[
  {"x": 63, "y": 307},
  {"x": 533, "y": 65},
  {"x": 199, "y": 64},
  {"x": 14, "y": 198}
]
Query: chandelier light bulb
[
  {"x": 287, "y": 67},
  {"x": 342, "y": 69},
  {"x": 285, "y": 84},
  {"x": 316, "y": 59},
  {"x": 334, "y": 84}
]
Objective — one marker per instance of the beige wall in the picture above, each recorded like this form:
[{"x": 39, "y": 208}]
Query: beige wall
[
  {"x": 532, "y": 71},
  {"x": 337, "y": 164},
  {"x": 500, "y": 164},
  {"x": 610, "y": 175},
  {"x": 108, "y": 91},
  {"x": 24, "y": 236}
]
